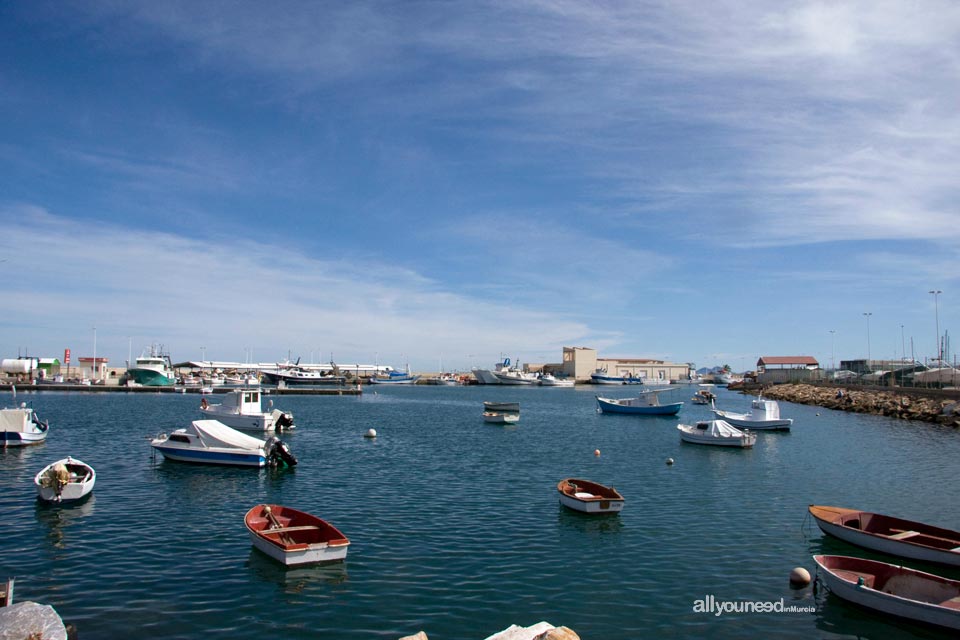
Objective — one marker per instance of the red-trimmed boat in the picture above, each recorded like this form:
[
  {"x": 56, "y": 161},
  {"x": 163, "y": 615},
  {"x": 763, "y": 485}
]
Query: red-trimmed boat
[
  {"x": 589, "y": 497},
  {"x": 898, "y": 591},
  {"x": 887, "y": 534},
  {"x": 294, "y": 537}
]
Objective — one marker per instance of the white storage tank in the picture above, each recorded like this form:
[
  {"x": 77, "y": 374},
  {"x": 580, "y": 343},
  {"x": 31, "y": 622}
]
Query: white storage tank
[{"x": 18, "y": 365}]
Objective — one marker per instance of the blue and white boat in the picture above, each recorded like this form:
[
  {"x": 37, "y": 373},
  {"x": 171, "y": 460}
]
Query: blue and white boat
[
  {"x": 600, "y": 376},
  {"x": 21, "y": 426},
  {"x": 212, "y": 442},
  {"x": 395, "y": 377},
  {"x": 647, "y": 404}
]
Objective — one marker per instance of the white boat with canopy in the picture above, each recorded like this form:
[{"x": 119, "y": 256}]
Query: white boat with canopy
[{"x": 241, "y": 409}]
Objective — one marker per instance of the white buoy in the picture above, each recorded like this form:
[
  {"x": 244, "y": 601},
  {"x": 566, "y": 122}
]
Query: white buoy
[
  {"x": 799, "y": 577},
  {"x": 669, "y": 461},
  {"x": 371, "y": 433},
  {"x": 596, "y": 452}
]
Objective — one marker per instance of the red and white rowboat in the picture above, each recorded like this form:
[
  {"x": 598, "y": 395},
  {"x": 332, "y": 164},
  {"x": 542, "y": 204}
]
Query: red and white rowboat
[{"x": 294, "y": 537}]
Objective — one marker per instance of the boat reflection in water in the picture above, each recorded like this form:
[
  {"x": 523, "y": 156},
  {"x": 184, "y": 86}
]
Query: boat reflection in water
[
  {"x": 59, "y": 518},
  {"x": 296, "y": 579}
]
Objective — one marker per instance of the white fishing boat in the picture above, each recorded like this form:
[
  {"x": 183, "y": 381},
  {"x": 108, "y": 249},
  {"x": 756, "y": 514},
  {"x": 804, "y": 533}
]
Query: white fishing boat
[
  {"x": 716, "y": 432},
  {"x": 589, "y": 497},
  {"x": 895, "y": 590},
  {"x": 241, "y": 409},
  {"x": 212, "y": 442},
  {"x": 495, "y": 417},
  {"x": 763, "y": 415},
  {"x": 549, "y": 380},
  {"x": 65, "y": 480},
  {"x": 21, "y": 426}
]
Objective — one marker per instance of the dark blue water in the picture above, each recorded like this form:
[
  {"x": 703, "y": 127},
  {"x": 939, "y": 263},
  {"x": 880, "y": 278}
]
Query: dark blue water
[{"x": 454, "y": 523}]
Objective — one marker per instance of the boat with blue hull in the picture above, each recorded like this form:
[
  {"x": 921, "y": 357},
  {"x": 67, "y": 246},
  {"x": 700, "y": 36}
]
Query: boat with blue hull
[
  {"x": 21, "y": 426},
  {"x": 646, "y": 404},
  {"x": 600, "y": 376},
  {"x": 212, "y": 442}
]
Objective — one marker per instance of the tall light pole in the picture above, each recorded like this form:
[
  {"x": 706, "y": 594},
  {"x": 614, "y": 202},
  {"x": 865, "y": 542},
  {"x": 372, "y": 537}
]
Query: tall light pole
[
  {"x": 936, "y": 309},
  {"x": 868, "y": 314},
  {"x": 903, "y": 346},
  {"x": 833, "y": 365},
  {"x": 95, "y": 353},
  {"x": 203, "y": 355}
]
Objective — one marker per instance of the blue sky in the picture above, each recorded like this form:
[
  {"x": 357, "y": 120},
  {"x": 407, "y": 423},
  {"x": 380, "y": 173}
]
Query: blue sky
[{"x": 417, "y": 181}]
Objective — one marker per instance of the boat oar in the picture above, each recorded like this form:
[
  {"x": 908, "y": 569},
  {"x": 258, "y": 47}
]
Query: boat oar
[{"x": 275, "y": 524}]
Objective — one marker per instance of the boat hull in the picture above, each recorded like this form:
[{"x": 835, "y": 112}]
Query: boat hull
[
  {"x": 608, "y": 405},
  {"x": 501, "y": 418},
  {"x": 150, "y": 378},
  {"x": 904, "y": 592},
  {"x": 273, "y": 378},
  {"x": 830, "y": 519},
  {"x": 21, "y": 438},
  {"x": 744, "y": 441},
  {"x": 485, "y": 376},
  {"x": 755, "y": 425},
  {"x": 212, "y": 456}
]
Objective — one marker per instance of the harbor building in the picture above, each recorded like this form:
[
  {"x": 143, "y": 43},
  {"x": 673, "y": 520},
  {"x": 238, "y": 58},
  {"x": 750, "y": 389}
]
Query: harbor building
[
  {"x": 781, "y": 369},
  {"x": 580, "y": 363}
]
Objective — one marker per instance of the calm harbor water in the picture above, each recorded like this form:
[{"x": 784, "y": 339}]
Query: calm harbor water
[{"x": 454, "y": 523}]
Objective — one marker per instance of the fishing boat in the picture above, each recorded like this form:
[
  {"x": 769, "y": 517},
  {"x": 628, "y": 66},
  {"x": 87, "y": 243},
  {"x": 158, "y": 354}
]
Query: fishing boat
[
  {"x": 212, "y": 442},
  {"x": 495, "y": 417},
  {"x": 20, "y": 426},
  {"x": 887, "y": 534},
  {"x": 716, "y": 432},
  {"x": 153, "y": 369},
  {"x": 589, "y": 497},
  {"x": 549, "y": 380},
  {"x": 395, "y": 377},
  {"x": 504, "y": 407},
  {"x": 65, "y": 480},
  {"x": 241, "y": 409},
  {"x": 646, "y": 404},
  {"x": 763, "y": 415},
  {"x": 294, "y": 537},
  {"x": 895, "y": 590},
  {"x": 704, "y": 395},
  {"x": 293, "y": 375},
  {"x": 600, "y": 376}
]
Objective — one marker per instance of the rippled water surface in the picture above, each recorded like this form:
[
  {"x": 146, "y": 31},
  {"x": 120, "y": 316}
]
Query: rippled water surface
[{"x": 454, "y": 523}]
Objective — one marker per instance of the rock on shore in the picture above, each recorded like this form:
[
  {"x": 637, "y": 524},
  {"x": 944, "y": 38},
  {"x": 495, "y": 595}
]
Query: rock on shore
[{"x": 885, "y": 403}]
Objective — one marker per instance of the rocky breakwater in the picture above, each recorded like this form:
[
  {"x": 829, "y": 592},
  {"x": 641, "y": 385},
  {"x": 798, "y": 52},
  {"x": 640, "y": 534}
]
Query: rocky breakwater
[{"x": 894, "y": 403}]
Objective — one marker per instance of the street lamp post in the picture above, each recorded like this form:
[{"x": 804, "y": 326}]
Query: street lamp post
[
  {"x": 936, "y": 310},
  {"x": 868, "y": 314},
  {"x": 95, "y": 372},
  {"x": 833, "y": 364}
]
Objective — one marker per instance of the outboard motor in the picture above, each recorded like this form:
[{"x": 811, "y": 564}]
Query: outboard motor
[
  {"x": 278, "y": 453},
  {"x": 282, "y": 420}
]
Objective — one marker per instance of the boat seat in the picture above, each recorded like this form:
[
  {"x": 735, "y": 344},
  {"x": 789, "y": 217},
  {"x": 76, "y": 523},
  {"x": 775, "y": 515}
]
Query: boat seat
[
  {"x": 306, "y": 527},
  {"x": 854, "y": 577},
  {"x": 902, "y": 535},
  {"x": 583, "y": 494}
]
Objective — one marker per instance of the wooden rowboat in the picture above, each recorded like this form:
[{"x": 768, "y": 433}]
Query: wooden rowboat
[
  {"x": 294, "y": 537},
  {"x": 898, "y": 591},
  {"x": 589, "y": 497},
  {"x": 887, "y": 534}
]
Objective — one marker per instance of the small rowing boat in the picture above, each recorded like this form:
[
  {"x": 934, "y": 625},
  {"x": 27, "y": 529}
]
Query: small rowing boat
[
  {"x": 65, "y": 480},
  {"x": 294, "y": 537},
  {"x": 589, "y": 497}
]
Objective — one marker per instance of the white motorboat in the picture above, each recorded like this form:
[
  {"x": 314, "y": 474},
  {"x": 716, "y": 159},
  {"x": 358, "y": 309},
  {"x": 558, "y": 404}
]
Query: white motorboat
[
  {"x": 704, "y": 395},
  {"x": 65, "y": 480},
  {"x": 241, "y": 409},
  {"x": 763, "y": 415},
  {"x": 716, "y": 432},
  {"x": 21, "y": 426},
  {"x": 212, "y": 442},
  {"x": 549, "y": 380}
]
